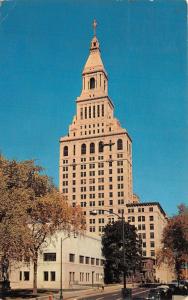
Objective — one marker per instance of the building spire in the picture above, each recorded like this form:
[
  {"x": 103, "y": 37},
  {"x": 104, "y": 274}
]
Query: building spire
[{"x": 94, "y": 27}]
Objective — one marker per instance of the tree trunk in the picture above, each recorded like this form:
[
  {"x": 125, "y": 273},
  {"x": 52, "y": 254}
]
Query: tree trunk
[{"x": 35, "y": 265}]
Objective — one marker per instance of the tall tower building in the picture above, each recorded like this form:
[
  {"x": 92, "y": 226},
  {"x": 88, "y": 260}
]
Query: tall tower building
[{"x": 95, "y": 168}]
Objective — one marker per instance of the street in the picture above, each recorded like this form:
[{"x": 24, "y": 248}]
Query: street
[{"x": 138, "y": 293}]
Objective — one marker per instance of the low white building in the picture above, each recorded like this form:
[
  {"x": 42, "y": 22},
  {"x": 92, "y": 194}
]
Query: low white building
[{"x": 82, "y": 263}]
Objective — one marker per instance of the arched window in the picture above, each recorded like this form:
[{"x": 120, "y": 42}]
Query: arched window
[
  {"x": 119, "y": 144},
  {"x": 65, "y": 151},
  {"x": 101, "y": 146},
  {"x": 92, "y": 148},
  {"x": 83, "y": 149},
  {"x": 92, "y": 83}
]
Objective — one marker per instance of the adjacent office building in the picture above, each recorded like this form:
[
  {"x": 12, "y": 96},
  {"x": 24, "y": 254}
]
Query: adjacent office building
[{"x": 81, "y": 264}]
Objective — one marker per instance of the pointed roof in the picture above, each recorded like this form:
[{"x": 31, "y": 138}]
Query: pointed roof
[{"x": 94, "y": 62}]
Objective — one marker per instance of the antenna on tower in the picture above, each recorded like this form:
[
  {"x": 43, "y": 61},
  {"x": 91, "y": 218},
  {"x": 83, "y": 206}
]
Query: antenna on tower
[{"x": 94, "y": 27}]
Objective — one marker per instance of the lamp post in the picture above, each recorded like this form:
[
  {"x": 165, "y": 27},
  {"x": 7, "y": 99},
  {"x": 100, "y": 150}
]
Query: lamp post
[
  {"x": 61, "y": 266},
  {"x": 94, "y": 212}
]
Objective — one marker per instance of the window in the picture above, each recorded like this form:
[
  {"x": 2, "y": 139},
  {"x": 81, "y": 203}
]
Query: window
[
  {"x": 152, "y": 252},
  {"x": 52, "y": 276},
  {"x": 151, "y": 235},
  {"x": 102, "y": 110},
  {"x": 144, "y": 253},
  {"x": 101, "y": 187},
  {"x": 98, "y": 110},
  {"x": 87, "y": 260},
  {"x": 150, "y": 209},
  {"x": 92, "y": 83},
  {"x": 83, "y": 149},
  {"x": 152, "y": 244},
  {"x": 81, "y": 259},
  {"x": 81, "y": 113},
  {"x": 119, "y": 144},
  {"x": 49, "y": 256},
  {"x": 97, "y": 261},
  {"x": 92, "y": 148},
  {"x": 26, "y": 276},
  {"x": 93, "y": 111},
  {"x": 92, "y": 261},
  {"x": 45, "y": 276},
  {"x": 151, "y": 218},
  {"x": 101, "y": 165},
  {"x": 110, "y": 202},
  {"x": 102, "y": 262},
  {"x": 85, "y": 112},
  {"x": 71, "y": 257},
  {"x": 151, "y": 226},
  {"x": 65, "y": 151},
  {"x": 101, "y": 147},
  {"x": 110, "y": 163},
  {"x": 90, "y": 112}
]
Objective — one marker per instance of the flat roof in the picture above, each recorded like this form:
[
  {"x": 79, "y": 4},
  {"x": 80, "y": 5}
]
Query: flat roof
[{"x": 147, "y": 204}]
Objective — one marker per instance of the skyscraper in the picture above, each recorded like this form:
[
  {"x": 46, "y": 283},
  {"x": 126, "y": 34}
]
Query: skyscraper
[{"x": 95, "y": 168}]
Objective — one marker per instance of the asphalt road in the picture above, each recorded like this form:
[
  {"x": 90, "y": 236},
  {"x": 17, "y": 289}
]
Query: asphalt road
[{"x": 137, "y": 294}]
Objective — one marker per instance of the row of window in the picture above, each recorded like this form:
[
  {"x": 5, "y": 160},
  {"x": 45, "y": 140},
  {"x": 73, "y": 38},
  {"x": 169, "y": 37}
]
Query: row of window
[
  {"x": 93, "y": 188},
  {"x": 100, "y": 203},
  {"x": 92, "y": 158},
  {"x": 94, "y": 111},
  {"x": 139, "y": 209},
  {"x": 51, "y": 256},
  {"x": 89, "y": 126},
  {"x": 152, "y": 244},
  {"x": 93, "y": 132},
  {"x": 51, "y": 276},
  {"x": 143, "y": 226},
  {"x": 86, "y": 260},
  {"x": 93, "y": 165},
  {"x": 93, "y": 173},
  {"x": 92, "y": 147},
  {"x": 152, "y": 253},
  {"x": 92, "y": 180},
  {"x": 143, "y": 235},
  {"x": 139, "y": 218}
]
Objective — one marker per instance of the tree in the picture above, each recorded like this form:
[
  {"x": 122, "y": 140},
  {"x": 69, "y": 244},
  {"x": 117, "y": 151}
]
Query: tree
[
  {"x": 174, "y": 251},
  {"x": 31, "y": 211},
  {"x": 112, "y": 249}
]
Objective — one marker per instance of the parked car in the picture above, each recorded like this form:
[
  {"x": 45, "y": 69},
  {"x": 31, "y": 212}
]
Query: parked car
[{"x": 160, "y": 293}]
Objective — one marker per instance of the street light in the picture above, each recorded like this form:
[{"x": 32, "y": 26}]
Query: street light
[
  {"x": 95, "y": 212},
  {"x": 61, "y": 267}
]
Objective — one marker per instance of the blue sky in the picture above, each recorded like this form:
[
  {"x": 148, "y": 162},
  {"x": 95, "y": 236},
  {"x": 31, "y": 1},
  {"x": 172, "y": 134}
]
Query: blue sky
[{"x": 43, "y": 47}]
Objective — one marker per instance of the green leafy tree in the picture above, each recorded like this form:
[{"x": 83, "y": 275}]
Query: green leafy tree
[
  {"x": 31, "y": 211},
  {"x": 174, "y": 251},
  {"x": 112, "y": 249}
]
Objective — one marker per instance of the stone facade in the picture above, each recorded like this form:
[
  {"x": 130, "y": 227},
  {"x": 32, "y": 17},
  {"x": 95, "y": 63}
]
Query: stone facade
[{"x": 95, "y": 168}]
